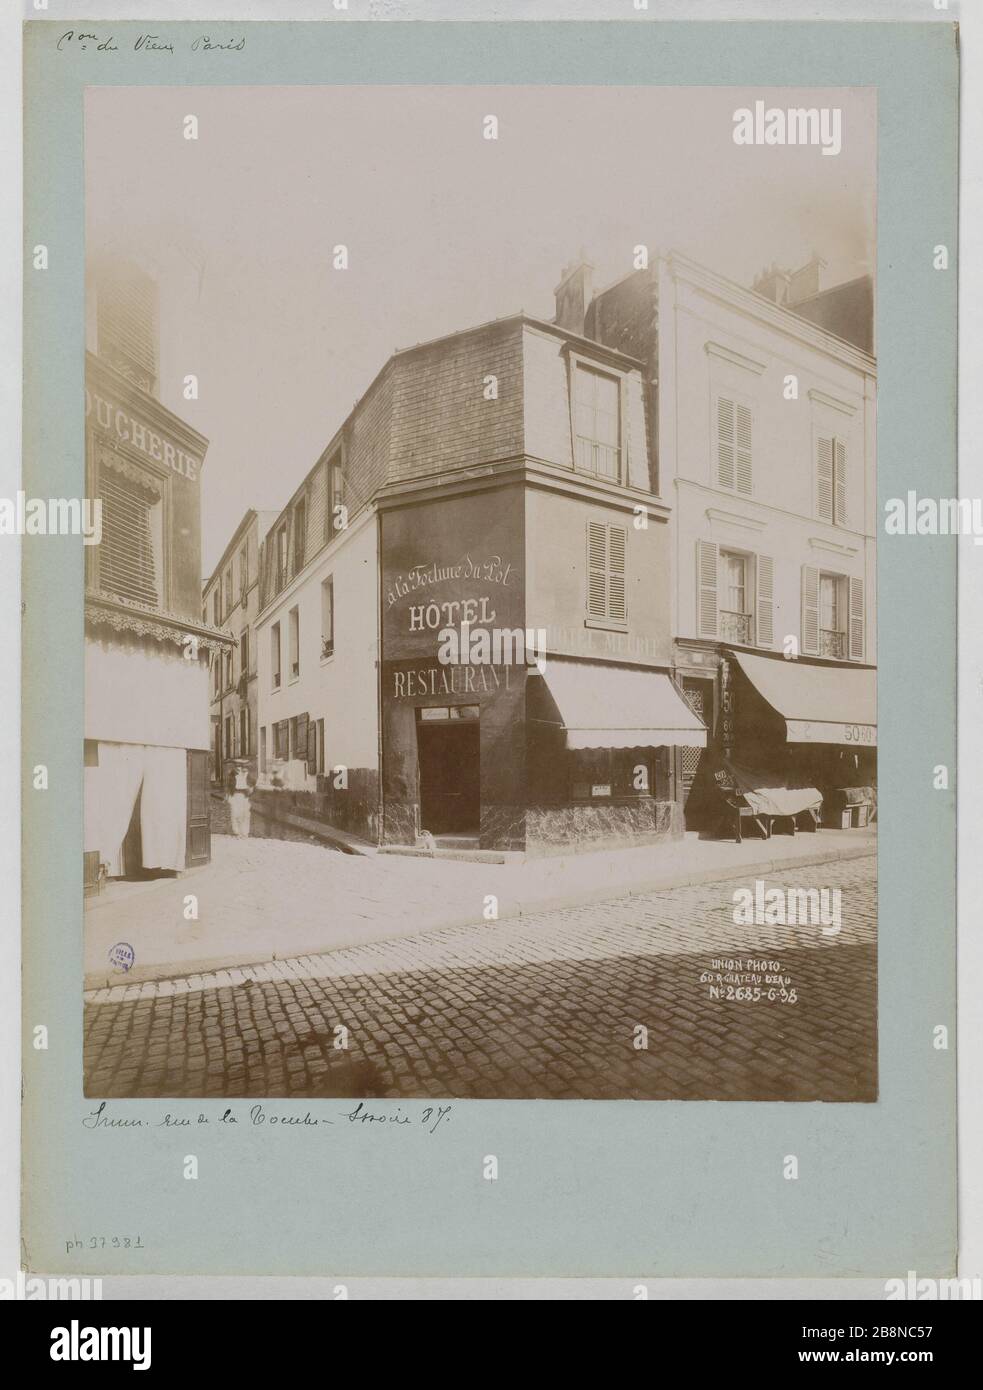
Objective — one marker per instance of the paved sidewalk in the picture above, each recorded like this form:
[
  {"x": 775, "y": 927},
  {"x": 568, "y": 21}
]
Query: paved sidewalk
[
  {"x": 261, "y": 899},
  {"x": 548, "y": 1004}
]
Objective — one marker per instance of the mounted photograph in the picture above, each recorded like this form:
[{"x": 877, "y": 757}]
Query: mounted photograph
[{"x": 481, "y": 634}]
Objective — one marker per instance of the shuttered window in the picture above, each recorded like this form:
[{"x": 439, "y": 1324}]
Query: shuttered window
[
  {"x": 734, "y": 596},
  {"x": 810, "y": 610},
  {"x": 706, "y": 586},
  {"x": 733, "y": 445},
  {"x": 764, "y": 600},
  {"x": 126, "y": 324},
  {"x": 607, "y": 564},
  {"x": 856, "y": 633},
  {"x": 128, "y": 563},
  {"x": 831, "y": 480},
  {"x": 832, "y": 615}
]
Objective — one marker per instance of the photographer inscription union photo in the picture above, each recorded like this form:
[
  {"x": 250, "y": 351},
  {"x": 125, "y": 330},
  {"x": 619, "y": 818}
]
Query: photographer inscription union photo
[{"x": 480, "y": 606}]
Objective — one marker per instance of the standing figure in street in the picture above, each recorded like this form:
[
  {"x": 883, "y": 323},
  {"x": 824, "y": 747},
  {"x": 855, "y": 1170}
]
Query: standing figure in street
[{"x": 239, "y": 805}]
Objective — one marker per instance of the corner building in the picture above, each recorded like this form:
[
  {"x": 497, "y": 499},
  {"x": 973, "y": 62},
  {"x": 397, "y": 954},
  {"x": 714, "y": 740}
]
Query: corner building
[{"x": 501, "y": 479}]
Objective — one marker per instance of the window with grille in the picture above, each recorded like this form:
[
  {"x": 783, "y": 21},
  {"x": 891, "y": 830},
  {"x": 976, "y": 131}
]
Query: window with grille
[
  {"x": 129, "y": 563},
  {"x": 735, "y": 614},
  {"x": 735, "y": 595},
  {"x": 597, "y": 422},
  {"x": 832, "y": 615},
  {"x": 607, "y": 563}
]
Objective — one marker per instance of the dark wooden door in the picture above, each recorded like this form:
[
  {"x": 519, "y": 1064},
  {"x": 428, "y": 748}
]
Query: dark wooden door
[
  {"x": 199, "y": 844},
  {"x": 450, "y": 801}
]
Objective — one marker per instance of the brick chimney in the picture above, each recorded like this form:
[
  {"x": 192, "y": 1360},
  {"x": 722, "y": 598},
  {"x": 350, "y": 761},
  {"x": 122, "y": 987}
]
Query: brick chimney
[
  {"x": 805, "y": 282},
  {"x": 574, "y": 294},
  {"x": 773, "y": 283},
  {"x": 791, "y": 287}
]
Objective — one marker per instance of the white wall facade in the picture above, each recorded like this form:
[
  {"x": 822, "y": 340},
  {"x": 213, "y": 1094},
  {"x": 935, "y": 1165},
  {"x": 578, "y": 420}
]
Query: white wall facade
[
  {"x": 341, "y": 689},
  {"x": 717, "y": 339}
]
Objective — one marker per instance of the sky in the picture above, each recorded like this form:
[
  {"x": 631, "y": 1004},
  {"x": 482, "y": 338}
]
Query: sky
[{"x": 444, "y": 230}]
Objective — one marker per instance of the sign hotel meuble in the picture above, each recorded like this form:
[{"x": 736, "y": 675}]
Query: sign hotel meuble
[{"x": 116, "y": 420}]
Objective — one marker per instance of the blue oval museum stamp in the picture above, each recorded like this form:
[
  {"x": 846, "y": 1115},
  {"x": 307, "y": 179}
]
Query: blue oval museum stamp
[{"x": 121, "y": 956}]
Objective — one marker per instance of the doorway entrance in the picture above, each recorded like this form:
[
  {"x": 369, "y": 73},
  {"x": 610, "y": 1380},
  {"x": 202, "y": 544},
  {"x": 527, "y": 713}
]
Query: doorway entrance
[{"x": 449, "y": 761}]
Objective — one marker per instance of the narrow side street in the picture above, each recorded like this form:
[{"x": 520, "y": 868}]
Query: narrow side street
[{"x": 547, "y": 1005}]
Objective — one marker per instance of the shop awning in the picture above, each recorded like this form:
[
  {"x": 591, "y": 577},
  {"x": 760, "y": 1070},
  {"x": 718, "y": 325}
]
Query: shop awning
[
  {"x": 820, "y": 704},
  {"x": 620, "y": 707}
]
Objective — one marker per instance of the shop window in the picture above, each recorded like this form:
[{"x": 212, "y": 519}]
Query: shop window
[
  {"x": 597, "y": 421},
  {"x": 831, "y": 479},
  {"x": 293, "y": 630},
  {"x": 733, "y": 427},
  {"x": 599, "y": 775},
  {"x": 275, "y": 655},
  {"x": 327, "y": 618},
  {"x": 607, "y": 578}
]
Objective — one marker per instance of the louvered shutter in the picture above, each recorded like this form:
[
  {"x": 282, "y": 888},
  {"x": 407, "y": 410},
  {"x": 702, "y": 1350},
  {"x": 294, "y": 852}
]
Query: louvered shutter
[
  {"x": 839, "y": 482},
  {"x": 856, "y": 620},
  {"x": 127, "y": 565},
  {"x": 617, "y": 565},
  {"x": 126, "y": 315},
  {"x": 725, "y": 442},
  {"x": 597, "y": 571},
  {"x": 824, "y": 479},
  {"x": 706, "y": 583},
  {"x": 810, "y": 610},
  {"x": 743, "y": 449},
  {"x": 764, "y": 605}
]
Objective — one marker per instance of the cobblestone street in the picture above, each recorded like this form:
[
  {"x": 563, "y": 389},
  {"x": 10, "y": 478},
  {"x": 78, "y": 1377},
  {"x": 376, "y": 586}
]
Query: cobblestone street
[{"x": 547, "y": 1005}]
